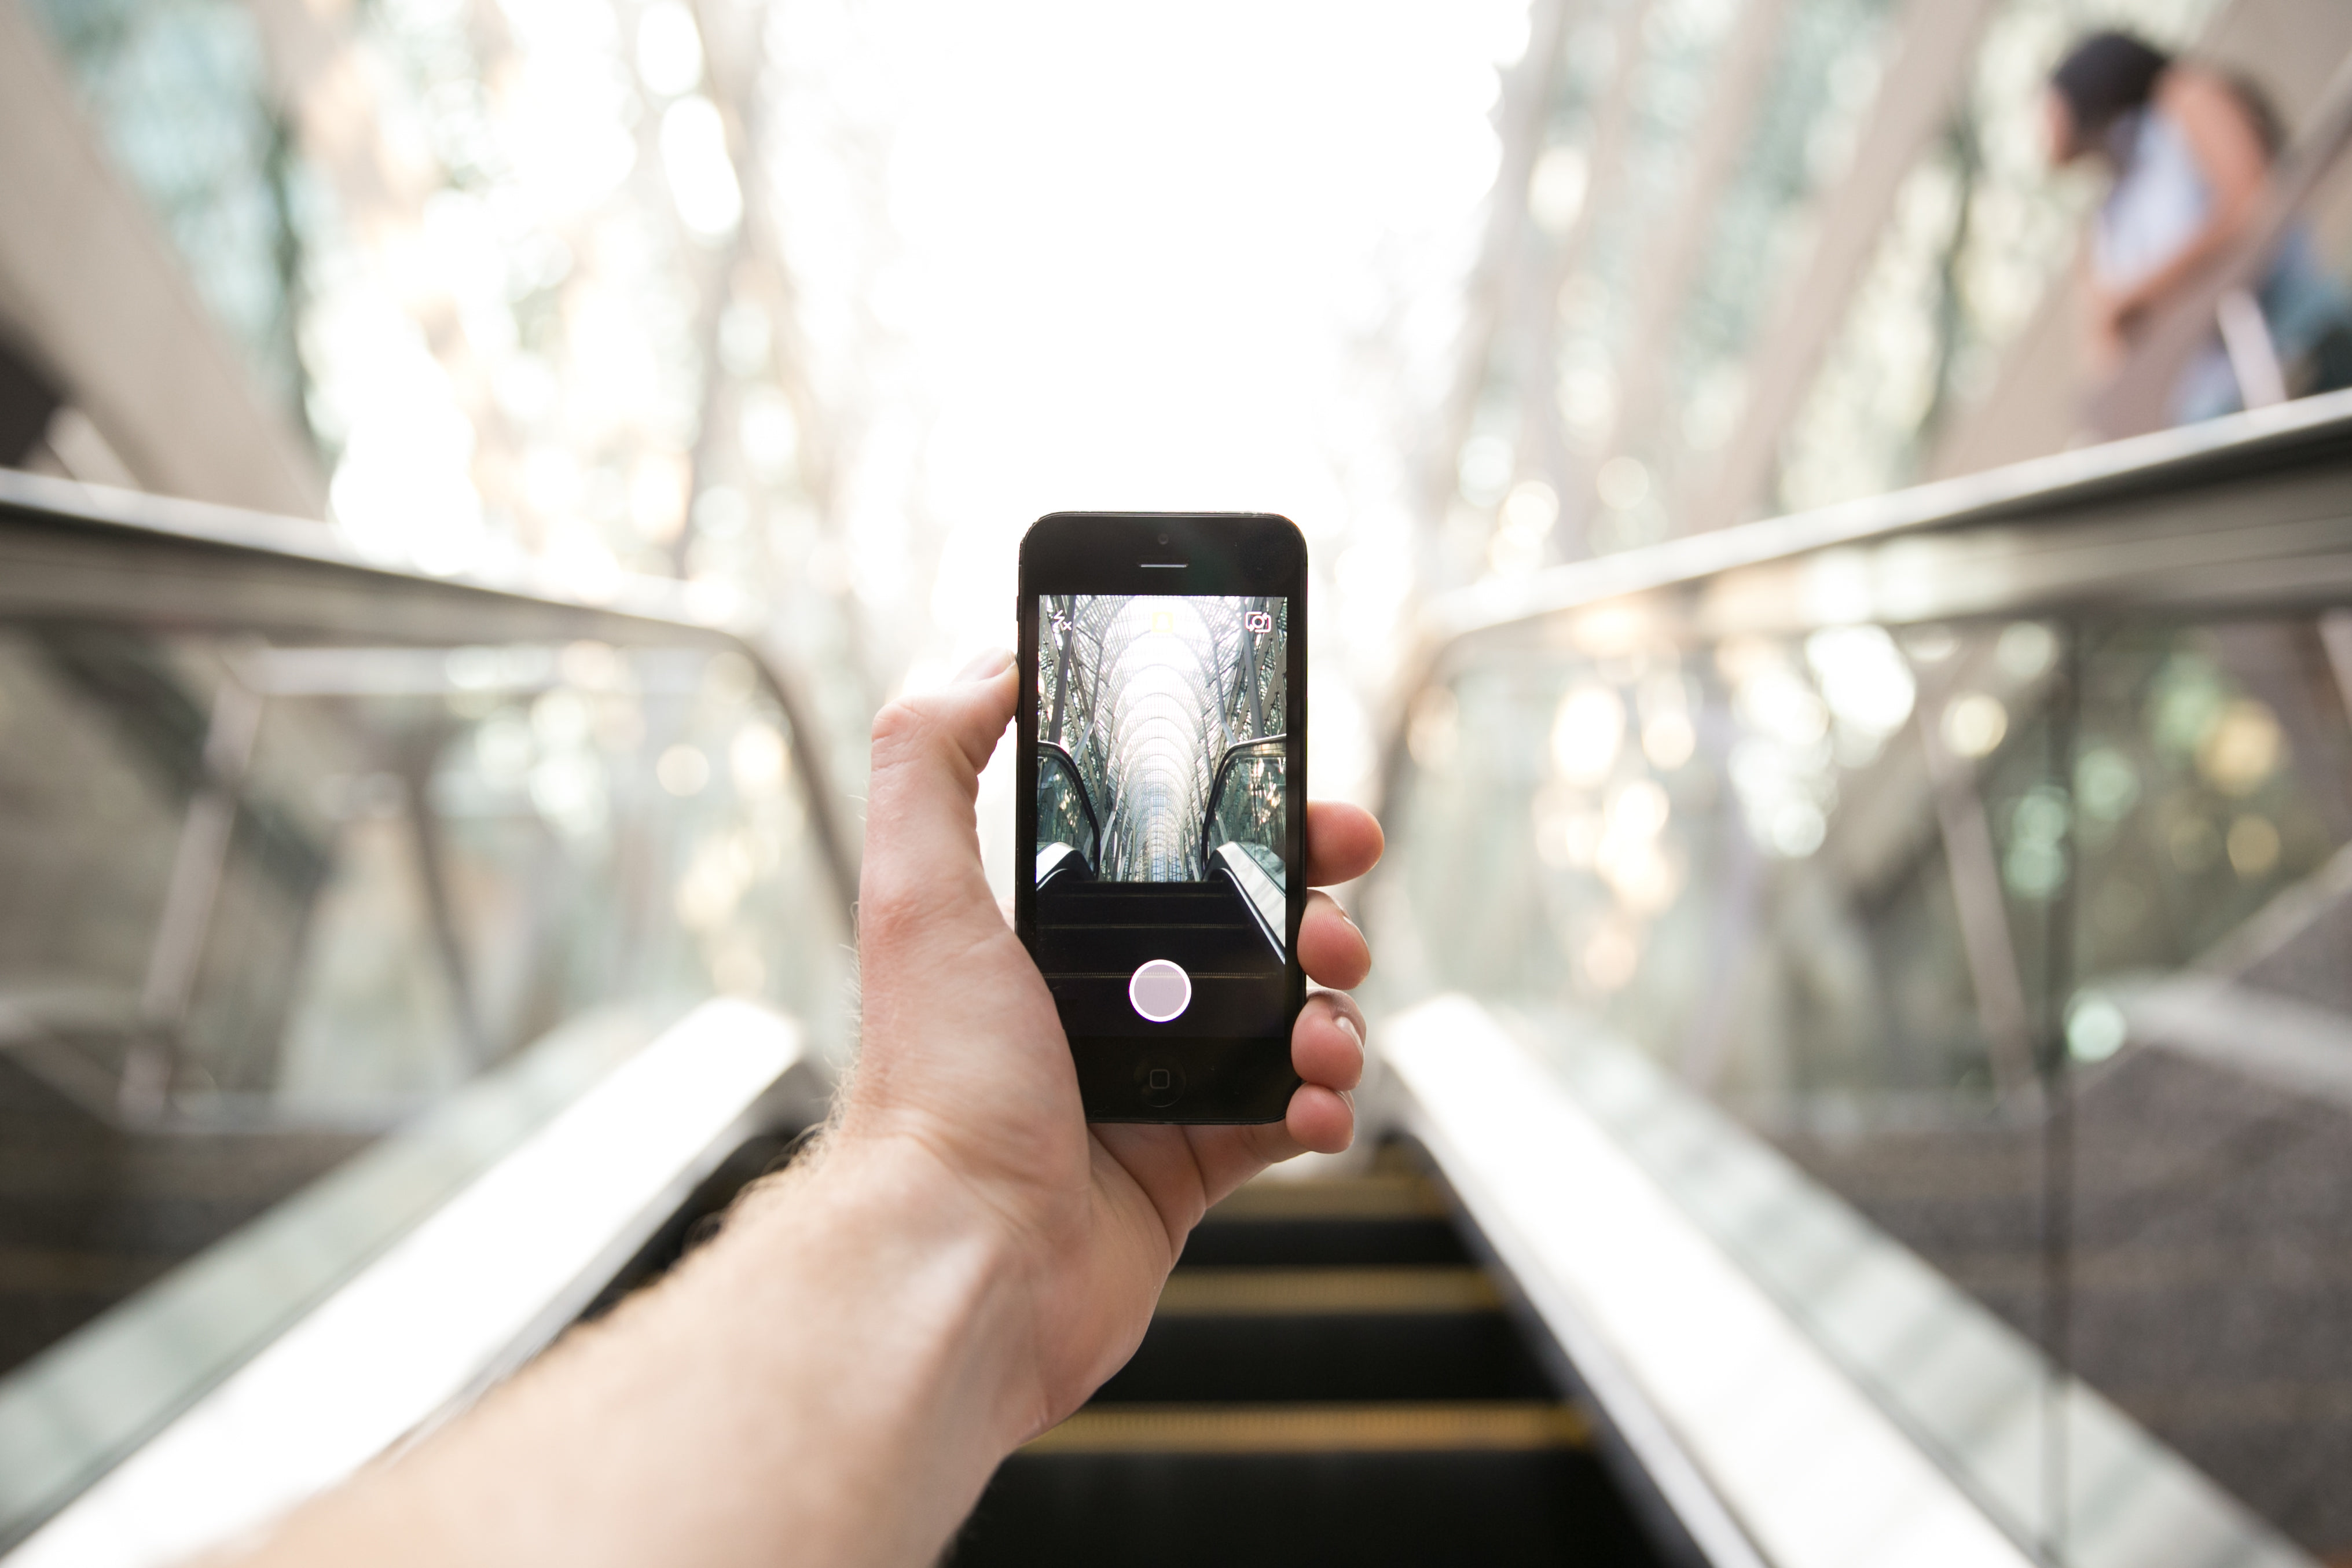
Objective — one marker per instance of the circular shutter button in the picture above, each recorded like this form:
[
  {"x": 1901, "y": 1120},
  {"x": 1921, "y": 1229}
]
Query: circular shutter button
[{"x": 1160, "y": 991}]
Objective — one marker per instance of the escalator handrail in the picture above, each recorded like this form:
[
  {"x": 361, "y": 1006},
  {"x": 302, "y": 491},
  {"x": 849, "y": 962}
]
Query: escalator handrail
[
  {"x": 1627, "y": 1282},
  {"x": 2310, "y": 438},
  {"x": 1260, "y": 896},
  {"x": 1234, "y": 753},
  {"x": 1060, "y": 753},
  {"x": 497, "y": 1270},
  {"x": 129, "y": 557},
  {"x": 2248, "y": 512},
  {"x": 2308, "y": 434}
]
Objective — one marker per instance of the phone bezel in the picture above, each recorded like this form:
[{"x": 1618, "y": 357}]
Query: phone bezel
[{"x": 1226, "y": 1079}]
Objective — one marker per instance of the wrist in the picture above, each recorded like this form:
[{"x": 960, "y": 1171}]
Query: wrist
[
  {"x": 831, "y": 1379},
  {"x": 854, "y": 1339},
  {"x": 937, "y": 1278}
]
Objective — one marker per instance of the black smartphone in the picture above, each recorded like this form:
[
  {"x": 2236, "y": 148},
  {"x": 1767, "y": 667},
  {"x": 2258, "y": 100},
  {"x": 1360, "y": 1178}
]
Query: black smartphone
[{"x": 1161, "y": 804}]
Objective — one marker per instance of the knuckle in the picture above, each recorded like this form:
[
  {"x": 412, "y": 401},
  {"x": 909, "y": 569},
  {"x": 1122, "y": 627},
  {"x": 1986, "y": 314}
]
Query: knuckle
[{"x": 900, "y": 725}]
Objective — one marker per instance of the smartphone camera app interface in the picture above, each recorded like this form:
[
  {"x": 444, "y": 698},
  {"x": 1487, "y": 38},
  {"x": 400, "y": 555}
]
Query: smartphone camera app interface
[{"x": 1162, "y": 888}]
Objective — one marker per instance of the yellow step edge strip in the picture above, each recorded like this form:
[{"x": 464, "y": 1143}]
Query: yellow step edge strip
[
  {"x": 1495, "y": 1425},
  {"x": 1358, "y": 1198},
  {"x": 1290, "y": 1293}
]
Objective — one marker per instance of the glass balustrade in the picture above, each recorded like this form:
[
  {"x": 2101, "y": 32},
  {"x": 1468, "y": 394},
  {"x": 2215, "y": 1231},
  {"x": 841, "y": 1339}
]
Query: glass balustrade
[
  {"x": 301, "y": 934},
  {"x": 1065, "y": 815},
  {"x": 1246, "y": 809},
  {"x": 1980, "y": 983}
]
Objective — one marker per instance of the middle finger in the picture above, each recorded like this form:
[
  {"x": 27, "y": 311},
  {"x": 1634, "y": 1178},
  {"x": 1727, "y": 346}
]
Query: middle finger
[{"x": 1330, "y": 948}]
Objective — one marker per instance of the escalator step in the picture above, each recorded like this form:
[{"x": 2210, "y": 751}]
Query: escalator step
[
  {"x": 1430, "y": 1426},
  {"x": 1221, "y": 1002},
  {"x": 1112, "y": 895},
  {"x": 1328, "y": 1378},
  {"x": 1289, "y": 1292},
  {"x": 1316, "y": 1243},
  {"x": 1391, "y": 1218},
  {"x": 1356, "y": 1197},
  {"x": 1498, "y": 1508},
  {"x": 1321, "y": 1356},
  {"x": 1233, "y": 946}
]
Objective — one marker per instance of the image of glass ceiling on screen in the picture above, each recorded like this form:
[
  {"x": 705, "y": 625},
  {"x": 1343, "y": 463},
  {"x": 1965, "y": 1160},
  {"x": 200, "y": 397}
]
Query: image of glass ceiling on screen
[{"x": 1149, "y": 696}]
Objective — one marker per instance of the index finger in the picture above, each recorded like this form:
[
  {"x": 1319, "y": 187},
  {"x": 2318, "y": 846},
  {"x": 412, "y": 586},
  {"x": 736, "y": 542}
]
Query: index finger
[{"x": 1343, "y": 842}]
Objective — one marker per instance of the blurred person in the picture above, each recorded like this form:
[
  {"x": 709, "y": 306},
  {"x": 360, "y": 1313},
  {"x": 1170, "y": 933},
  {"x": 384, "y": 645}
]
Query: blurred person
[
  {"x": 953, "y": 1268},
  {"x": 2191, "y": 150}
]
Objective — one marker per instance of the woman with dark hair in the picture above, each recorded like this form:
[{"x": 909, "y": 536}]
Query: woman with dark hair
[{"x": 2191, "y": 148}]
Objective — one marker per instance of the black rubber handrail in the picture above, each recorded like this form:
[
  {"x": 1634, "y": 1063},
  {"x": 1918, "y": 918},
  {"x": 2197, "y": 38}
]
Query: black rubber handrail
[
  {"x": 1057, "y": 752},
  {"x": 1234, "y": 753}
]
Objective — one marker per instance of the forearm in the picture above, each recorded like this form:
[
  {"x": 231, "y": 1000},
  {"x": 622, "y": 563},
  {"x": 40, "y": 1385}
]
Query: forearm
[
  {"x": 2220, "y": 236},
  {"x": 831, "y": 1380},
  {"x": 2152, "y": 293}
]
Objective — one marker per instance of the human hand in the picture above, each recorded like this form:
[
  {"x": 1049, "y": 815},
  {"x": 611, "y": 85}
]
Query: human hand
[
  {"x": 834, "y": 1379},
  {"x": 965, "y": 1068},
  {"x": 2116, "y": 317}
]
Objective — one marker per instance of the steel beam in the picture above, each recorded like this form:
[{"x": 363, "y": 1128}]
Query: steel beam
[
  {"x": 1938, "y": 50},
  {"x": 1744, "y": 65},
  {"x": 1528, "y": 92},
  {"x": 89, "y": 281}
]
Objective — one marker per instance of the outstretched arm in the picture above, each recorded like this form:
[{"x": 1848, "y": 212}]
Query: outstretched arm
[
  {"x": 954, "y": 1267},
  {"x": 2236, "y": 168}
]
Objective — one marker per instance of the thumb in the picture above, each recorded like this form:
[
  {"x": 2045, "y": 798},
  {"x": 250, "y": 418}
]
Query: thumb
[{"x": 922, "y": 845}]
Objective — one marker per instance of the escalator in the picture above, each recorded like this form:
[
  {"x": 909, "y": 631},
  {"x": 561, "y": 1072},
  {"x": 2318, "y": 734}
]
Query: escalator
[
  {"x": 1331, "y": 1376},
  {"x": 98, "y": 1211},
  {"x": 339, "y": 906},
  {"x": 1943, "y": 899},
  {"x": 1859, "y": 1045},
  {"x": 1227, "y": 928},
  {"x": 95, "y": 1214}
]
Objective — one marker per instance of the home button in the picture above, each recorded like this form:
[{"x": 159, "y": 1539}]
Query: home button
[{"x": 1160, "y": 1083}]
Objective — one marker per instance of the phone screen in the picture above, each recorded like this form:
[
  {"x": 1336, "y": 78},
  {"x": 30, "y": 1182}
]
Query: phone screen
[{"x": 1162, "y": 873}]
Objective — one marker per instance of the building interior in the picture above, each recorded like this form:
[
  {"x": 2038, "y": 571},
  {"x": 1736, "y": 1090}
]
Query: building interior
[{"x": 1859, "y": 1050}]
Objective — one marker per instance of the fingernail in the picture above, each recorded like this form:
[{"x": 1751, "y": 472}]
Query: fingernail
[
  {"x": 1350, "y": 1025},
  {"x": 990, "y": 663}
]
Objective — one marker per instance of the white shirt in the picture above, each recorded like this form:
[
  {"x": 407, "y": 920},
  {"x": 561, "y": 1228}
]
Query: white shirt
[{"x": 2160, "y": 203}]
